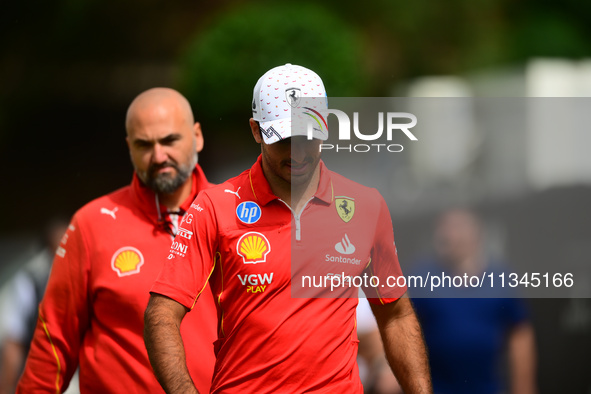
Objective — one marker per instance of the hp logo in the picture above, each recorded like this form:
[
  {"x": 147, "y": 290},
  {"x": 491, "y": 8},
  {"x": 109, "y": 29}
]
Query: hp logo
[{"x": 248, "y": 212}]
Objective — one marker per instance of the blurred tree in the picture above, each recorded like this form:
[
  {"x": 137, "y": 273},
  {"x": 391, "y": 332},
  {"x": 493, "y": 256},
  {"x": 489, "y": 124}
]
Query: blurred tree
[
  {"x": 222, "y": 64},
  {"x": 547, "y": 33},
  {"x": 461, "y": 36}
]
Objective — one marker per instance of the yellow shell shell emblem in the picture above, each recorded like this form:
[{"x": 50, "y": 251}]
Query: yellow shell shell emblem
[
  {"x": 127, "y": 261},
  {"x": 345, "y": 208},
  {"x": 253, "y": 247}
]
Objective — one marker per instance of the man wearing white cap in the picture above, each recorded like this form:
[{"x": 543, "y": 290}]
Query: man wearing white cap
[{"x": 255, "y": 236}]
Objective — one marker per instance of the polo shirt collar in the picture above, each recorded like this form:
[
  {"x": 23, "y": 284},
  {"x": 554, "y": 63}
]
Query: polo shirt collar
[
  {"x": 262, "y": 190},
  {"x": 259, "y": 185},
  {"x": 325, "y": 190}
]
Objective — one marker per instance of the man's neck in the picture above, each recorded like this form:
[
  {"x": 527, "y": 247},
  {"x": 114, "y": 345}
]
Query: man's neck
[
  {"x": 302, "y": 194},
  {"x": 173, "y": 201}
]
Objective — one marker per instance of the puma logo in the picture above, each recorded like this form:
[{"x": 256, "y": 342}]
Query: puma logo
[
  {"x": 110, "y": 212},
  {"x": 233, "y": 192}
]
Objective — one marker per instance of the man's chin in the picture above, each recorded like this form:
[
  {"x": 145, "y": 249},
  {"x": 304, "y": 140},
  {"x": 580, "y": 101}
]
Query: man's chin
[
  {"x": 164, "y": 173},
  {"x": 164, "y": 184}
]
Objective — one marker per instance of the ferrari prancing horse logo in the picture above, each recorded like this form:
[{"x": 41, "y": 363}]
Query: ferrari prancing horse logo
[
  {"x": 293, "y": 96},
  {"x": 345, "y": 208}
]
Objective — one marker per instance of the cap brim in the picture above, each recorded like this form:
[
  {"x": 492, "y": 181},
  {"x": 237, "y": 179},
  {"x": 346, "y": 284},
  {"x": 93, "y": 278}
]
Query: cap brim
[{"x": 277, "y": 130}]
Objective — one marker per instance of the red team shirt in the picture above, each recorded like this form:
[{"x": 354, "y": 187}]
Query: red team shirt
[
  {"x": 92, "y": 311},
  {"x": 241, "y": 238}
]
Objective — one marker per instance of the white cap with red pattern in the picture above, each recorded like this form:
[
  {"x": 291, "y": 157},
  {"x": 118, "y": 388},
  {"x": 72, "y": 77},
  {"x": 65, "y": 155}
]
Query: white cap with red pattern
[{"x": 283, "y": 89}]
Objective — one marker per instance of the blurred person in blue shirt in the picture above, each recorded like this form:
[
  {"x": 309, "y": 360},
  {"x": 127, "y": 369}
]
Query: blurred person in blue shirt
[{"x": 476, "y": 345}]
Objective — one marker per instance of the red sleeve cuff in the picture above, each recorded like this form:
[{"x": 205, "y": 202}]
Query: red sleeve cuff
[{"x": 381, "y": 301}]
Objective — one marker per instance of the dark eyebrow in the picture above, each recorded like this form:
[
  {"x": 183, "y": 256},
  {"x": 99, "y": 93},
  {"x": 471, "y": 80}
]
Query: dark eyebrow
[
  {"x": 141, "y": 143},
  {"x": 170, "y": 138},
  {"x": 164, "y": 141}
]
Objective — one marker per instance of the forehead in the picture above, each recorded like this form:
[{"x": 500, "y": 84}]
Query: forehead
[{"x": 155, "y": 122}]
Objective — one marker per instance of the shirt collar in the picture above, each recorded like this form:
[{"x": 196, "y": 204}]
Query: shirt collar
[
  {"x": 325, "y": 190},
  {"x": 258, "y": 183},
  {"x": 262, "y": 190}
]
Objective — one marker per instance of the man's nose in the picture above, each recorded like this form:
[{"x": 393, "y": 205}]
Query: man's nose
[
  {"x": 159, "y": 154},
  {"x": 298, "y": 151}
]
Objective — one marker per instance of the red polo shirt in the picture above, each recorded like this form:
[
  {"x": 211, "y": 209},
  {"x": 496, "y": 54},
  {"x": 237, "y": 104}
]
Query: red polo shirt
[{"x": 254, "y": 252}]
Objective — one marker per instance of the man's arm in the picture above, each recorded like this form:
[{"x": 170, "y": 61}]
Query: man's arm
[
  {"x": 63, "y": 320},
  {"x": 162, "y": 335},
  {"x": 522, "y": 359},
  {"x": 404, "y": 345}
]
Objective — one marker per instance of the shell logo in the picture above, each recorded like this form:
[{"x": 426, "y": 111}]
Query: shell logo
[
  {"x": 127, "y": 261},
  {"x": 253, "y": 247}
]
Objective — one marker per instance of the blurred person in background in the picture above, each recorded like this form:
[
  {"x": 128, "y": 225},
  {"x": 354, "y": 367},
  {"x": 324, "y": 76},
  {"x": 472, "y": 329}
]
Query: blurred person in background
[
  {"x": 18, "y": 309},
  {"x": 474, "y": 343},
  {"x": 92, "y": 311}
]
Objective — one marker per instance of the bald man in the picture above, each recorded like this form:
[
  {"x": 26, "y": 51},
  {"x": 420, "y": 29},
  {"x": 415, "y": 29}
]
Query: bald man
[{"x": 92, "y": 312}]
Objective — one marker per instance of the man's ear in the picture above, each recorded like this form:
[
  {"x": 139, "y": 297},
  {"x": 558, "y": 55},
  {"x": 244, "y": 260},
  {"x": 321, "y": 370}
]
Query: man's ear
[
  {"x": 256, "y": 132},
  {"x": 198, "y": 137}
]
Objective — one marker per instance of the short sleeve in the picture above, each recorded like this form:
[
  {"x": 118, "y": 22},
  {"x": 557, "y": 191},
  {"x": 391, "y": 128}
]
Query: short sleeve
[
  {"x": 384, "y": 261},
  {"x": 191, "y": 258},
  {"x": 63, "y": 317}
]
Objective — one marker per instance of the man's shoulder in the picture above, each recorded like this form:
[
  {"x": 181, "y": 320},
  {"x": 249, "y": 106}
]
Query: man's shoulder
[
  {"x": 105, "y": 204},
  {"x": 229, "y": 191},
  {"x": 345, "y": 187}
]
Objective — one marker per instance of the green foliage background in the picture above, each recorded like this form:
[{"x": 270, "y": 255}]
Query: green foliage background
[{"x": 220, "y": 66}]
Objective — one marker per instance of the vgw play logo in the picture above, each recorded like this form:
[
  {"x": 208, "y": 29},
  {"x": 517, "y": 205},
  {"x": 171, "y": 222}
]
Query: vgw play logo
[{"x": 389, "y": 123}]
